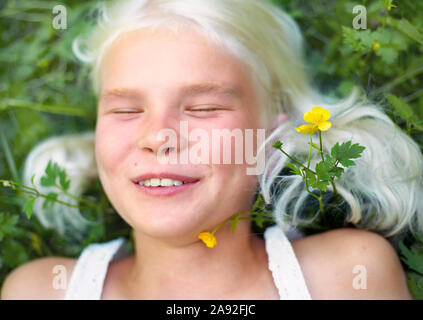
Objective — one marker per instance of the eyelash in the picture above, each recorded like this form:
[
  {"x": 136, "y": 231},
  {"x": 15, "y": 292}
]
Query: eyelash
[
  {"x": 126, "y": 111},
  {"x": 205, "y": 110}
]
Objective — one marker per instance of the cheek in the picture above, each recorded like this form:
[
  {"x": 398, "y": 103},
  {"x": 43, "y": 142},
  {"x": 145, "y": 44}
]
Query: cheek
[
  {"x": 113, "y": 142},
  {"x": 233, "y": 139}
]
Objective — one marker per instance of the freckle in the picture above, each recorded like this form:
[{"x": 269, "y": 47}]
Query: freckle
[{"x": 136, "y": 164}]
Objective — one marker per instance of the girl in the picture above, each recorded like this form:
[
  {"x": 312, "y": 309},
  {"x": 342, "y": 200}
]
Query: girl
[{"x": 158, "y": 65}]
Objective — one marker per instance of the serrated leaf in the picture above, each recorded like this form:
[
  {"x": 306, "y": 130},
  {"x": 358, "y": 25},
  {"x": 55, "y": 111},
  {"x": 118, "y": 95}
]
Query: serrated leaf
[
  {"x": 49, "y": 179},
  {"x": 347, "y": 163},
  {"x": 322, "y": 185},
  {"x": 323, "y": 170},
  {"x": 337, "y": 172},
  {"x": 344, "y": 152},
  {"x": 311, "y": 178}
]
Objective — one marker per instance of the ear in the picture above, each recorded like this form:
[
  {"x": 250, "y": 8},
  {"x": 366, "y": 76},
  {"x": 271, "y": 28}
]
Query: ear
[{"x": 279, "y": 119}]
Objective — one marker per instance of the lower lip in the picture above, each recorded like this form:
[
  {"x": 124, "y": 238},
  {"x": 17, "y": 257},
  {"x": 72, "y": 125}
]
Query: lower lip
[{"x": 166, "y": 191}]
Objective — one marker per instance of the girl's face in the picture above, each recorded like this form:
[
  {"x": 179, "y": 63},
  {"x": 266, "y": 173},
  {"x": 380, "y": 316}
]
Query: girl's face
[{"x": 151, "y": 81}]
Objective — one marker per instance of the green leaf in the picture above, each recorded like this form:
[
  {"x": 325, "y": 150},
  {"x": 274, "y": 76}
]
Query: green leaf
[
  {"x": 323, "y": 170},
  {"x": 49, "y": 179},
  {"x": 387, "y": 4},
  {"x": 401, "y": 107},
  {"x": 294, "y": 168},
  {"x": 49, "y": 202},
  {"x": 29, "y": 208},
  {"x": 388, "y": 55},
  {"x": 277, "y": 144},
  {"x": 322, "y": 185},
  {"x": 415, "y": 284},
  {"x": 63, "y": 181},
  {"x": 14, "y": 253},
  {"x": 344, "y": 152},
  {"x": 234, "y": 222},
  {"x": 407, "y": 28},
  {"x": 259, "y": 203},
  {"x": 413, "y": 257},
  {"x": 337, "y": 172},
  {"x": 315, "y": 146},
  {"x": 259, "y": 219},
  {"x": 315, "y": 182},
  {"x": 53, "y": 171}
]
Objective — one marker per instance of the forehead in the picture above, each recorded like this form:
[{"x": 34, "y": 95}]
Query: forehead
[{"x": 159, "y": 60}]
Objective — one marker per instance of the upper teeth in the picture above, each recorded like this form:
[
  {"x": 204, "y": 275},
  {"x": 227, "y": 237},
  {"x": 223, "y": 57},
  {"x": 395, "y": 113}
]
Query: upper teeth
[{"x": 156, "y": 182}]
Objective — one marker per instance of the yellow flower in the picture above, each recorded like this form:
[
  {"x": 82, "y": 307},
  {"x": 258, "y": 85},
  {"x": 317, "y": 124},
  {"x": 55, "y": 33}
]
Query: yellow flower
[
  {"x": 318, "y": 117},
  {"x": 208, "y": 238},
  {"x": 376, "y": 46}
]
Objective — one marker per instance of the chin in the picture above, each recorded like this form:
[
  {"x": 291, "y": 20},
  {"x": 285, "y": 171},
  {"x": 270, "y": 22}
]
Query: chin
[{"x": 167, "y": 224}]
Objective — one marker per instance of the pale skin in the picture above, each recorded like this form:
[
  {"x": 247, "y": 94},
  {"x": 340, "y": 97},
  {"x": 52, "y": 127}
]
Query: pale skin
[{"x": 170, "y": 262}]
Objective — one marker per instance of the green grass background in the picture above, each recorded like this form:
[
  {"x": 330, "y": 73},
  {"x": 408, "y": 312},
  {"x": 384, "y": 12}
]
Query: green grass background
[{"x": 44, "y": 91}]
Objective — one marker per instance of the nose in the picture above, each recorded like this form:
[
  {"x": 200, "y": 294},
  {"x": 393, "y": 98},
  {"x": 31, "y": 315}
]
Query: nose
[{"x": 159, "y": 133}]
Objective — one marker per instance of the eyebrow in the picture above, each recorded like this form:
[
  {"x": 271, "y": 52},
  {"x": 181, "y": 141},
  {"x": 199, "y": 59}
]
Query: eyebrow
[{"x": 187, "y": 90}]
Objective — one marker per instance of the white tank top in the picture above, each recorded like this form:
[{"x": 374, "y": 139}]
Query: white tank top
[{"x": 87, "y": 279}]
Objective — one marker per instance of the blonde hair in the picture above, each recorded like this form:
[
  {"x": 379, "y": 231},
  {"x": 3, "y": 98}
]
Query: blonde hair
[{"x": 383, "y": 190}]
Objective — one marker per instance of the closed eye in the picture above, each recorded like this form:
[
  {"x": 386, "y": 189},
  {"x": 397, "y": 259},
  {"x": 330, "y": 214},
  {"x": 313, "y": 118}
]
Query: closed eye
[
  {"x": 127, "y": 111},
  {"x": 210, "y": 109},
  {"x": 206, "y": 108}
]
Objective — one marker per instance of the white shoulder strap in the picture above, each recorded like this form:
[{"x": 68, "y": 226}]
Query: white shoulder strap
[
  {"x": 90, "y": 270},
  {"x": 284, "y": 265}
]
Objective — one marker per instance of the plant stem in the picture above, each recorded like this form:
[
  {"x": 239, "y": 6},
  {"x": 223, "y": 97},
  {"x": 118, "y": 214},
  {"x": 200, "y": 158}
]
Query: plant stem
[
  {"x": 309, "y": 153},
  {"x": 319, "y": 198},
  {"x": 79, "y": 199},
  {"x": 37, "y": 194},
  {"x": 321, "y": 145},
  {"x": 296, "y": 161},
  {"x": 335, "y": 191}
]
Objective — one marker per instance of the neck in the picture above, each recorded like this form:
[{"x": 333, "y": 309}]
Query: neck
[{"x": 161, "y": 270}]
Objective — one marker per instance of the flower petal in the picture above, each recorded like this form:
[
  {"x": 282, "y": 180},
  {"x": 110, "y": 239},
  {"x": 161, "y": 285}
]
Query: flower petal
[
  {"x": 325, "y": 114},
  {"x": 307, "y": 128},
  {"x": 310, "y": 117},
  {"x": 323, "y": 126}
]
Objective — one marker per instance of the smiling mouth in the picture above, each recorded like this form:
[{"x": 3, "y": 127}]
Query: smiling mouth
[{"x": 166, "y": 190}]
